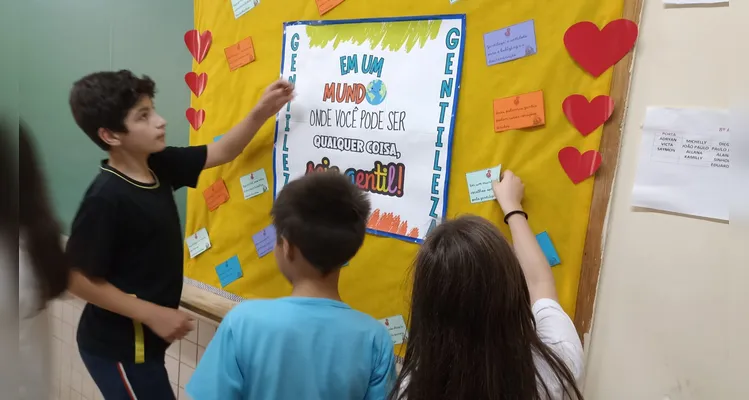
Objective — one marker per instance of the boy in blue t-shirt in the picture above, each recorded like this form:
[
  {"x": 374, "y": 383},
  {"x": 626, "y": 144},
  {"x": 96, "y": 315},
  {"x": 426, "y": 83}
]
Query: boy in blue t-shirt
[{"x": 310, "y": 345}]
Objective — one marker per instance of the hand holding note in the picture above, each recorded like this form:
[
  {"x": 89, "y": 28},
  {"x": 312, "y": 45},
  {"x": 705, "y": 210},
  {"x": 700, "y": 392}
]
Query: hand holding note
[{"x": 509, "y": 192}]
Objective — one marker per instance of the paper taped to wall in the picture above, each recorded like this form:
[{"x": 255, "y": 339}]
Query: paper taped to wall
[{"x": 684, "y": 162}]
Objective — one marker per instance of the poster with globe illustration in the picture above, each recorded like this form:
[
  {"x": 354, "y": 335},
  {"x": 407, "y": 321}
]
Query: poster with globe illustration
[{"x": 376, "y": 101}]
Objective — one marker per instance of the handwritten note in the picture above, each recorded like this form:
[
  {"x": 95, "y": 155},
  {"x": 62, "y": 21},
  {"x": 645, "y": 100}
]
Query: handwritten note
[
  {"x": 511, "y": 43},
  {"x": 198, "y": 243},
  {"x": 396, "y": 327},
  {"x": 265, "y": 241},
  {"x": 229, "y": 271},
  {"x": 216, "y": 195},
  {"x": 517, "y": 112},
  {"x": 242, "y": 6},
  {"x": 323, "y": 6},
  {"x": 254, "y": 184},
  {"x": 240, "y": 54},
  {"x": 548, "y": 248},
  {"x": 480, "y": 184}
]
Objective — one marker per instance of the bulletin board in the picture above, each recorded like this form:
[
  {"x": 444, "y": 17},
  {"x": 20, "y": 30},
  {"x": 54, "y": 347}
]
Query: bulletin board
[{"x": 376, "y": 280}]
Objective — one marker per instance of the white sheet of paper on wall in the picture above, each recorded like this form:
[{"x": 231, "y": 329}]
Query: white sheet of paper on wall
[
  {"x": 396, "y": 327},
  {"x": 241, "y": 7},
  {"x": 198, "y": 243}
]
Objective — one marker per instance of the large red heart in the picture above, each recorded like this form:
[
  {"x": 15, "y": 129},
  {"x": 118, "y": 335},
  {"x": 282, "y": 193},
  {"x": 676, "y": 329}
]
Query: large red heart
[
  {"x": 198, "y": 43},
  {"x": 598, "y": 50},
  {"x": 579, "y": 167},
  {"x": 587, "y": 116},
  {"x": 195, "y": 117},
  {"x": 196, "y": 83}
]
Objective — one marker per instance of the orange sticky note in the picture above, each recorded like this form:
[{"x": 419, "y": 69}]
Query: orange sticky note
[
  {"x": 216, "y": 195},
  {"x": 517, "y": 112},
  {"x": 240, "y": 54},
  {"x": 326, "y": 5}
]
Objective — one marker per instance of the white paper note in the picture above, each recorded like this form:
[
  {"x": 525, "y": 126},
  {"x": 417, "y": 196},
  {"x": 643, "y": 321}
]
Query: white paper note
[
  {"x": 242, "y": 6},
  {"x": 396, "y": 327},
  {"x": 684, "y": 2},
  {"x": 198, "y": 243},
  {"x": 254, "y": 184},
  {"x": 684, "y": 162}
]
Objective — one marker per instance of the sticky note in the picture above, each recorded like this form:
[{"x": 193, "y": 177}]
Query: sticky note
[
  {"x": 229, "y": 271},
  {"x": 511, "y": 43},
  {"x": 216, "y": 194},
  {"x": 517, "y": 112},
  {"x": 241, "y": 7},
  {"x": 198, "y": 243},
  {"x": 549, "y": 251},
  {"x": 396, "y": 327},
  {"x": 217, "y": 138},
  {"x": 324, "y": 6},
  {"x": 345, "y": 264},
  {"x": 265, "y": 241},
  {"x": 240, "y": 54},
  {"x": 480, "y": 184},
  {"x": 254, "y": 184}
]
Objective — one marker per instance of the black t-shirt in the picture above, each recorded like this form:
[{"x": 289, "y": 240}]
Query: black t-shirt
[{"x": 128, "y": 233}]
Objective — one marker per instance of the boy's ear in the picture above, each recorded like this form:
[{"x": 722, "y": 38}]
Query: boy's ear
[
  {"x": 109, "y": 137},
  {"x": 288, "y": 250}
]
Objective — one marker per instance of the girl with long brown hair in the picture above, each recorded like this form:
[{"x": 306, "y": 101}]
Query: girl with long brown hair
[{"x": 485, "y": 320}]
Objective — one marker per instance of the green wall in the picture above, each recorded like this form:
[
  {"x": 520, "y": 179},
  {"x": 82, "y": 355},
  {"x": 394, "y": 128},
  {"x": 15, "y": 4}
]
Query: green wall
[{"x": 63, "y": 40}]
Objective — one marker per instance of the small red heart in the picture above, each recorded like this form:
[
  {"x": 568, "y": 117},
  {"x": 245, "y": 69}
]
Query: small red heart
[
  {"x": 196, "y": 83},
  {"x": 198, "y": 43},
  {"x": 598, "y": 50},
  {"x": 579, "y": 167},
  {"x": 195, "y": 117},
  {"x": 587, "y": 116}
]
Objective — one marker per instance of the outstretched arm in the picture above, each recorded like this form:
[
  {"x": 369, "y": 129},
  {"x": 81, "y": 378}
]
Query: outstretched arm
[
  {"x": 538, "y": 275},
  {"x": 237, "y": 138}
]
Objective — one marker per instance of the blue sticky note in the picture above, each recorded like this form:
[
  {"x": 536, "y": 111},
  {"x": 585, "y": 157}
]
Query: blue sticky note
[
  {"x": 217, "y": 138},
  {"x": 229, "y": 271},
  {"x": 265, "y": 241},
  {"x": 480, "y": 184},
  {"x": 511, "y": 43},
  {"x": 549, "y": 251}
]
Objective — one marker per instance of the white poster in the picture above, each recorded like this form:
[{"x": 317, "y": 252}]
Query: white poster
[{"x": 376, "y": 100}]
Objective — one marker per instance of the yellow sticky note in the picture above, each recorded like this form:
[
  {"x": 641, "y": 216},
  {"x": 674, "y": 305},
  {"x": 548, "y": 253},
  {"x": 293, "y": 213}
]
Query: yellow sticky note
[
  {"x": 326, "y": 5},
  {"x": 216, "y": 194},
  {"x": 517, "y": 112},
  {"x": 240, "y": 54}
]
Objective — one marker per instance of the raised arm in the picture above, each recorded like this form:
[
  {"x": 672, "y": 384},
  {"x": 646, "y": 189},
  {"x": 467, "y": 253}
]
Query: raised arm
[
  {"x": 237, "y": 138},
  {"x": 538, "y": 276}
]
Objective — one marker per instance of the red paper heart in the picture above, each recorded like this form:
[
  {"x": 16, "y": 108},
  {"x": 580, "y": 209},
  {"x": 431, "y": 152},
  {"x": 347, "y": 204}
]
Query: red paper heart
[
  {"x": 195, "y": 117},
  {"x": 598, "y": 50},
  {"x": 196, "y": 83},
  {"x": 579, "y": 167},
  {"x": 198, "y": 43},
  {"x": 587, "y": 116}
]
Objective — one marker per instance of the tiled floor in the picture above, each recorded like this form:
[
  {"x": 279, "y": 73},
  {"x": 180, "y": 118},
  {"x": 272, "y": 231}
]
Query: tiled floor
[{"x": 71, "y": 381}]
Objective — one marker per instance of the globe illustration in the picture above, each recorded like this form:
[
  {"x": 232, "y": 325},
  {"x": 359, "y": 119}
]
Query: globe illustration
[{"x": 376, "y": 92}]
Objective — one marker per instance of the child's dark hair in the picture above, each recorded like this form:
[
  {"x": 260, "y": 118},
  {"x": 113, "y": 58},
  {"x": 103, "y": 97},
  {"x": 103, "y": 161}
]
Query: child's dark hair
[
  {"x": 103, "y": 99},
  {"x": 41, "y": 231},
  {"x": 472, "y": 330},
  {"x": 325, "y": 216}
]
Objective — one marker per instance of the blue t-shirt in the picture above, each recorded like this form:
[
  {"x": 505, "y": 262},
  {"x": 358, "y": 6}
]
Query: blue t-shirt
[{"x": 296, "y": 348}]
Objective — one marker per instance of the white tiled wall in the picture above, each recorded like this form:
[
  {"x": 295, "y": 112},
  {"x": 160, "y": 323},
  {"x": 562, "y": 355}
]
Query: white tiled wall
[{"x": 71, "y": 381}]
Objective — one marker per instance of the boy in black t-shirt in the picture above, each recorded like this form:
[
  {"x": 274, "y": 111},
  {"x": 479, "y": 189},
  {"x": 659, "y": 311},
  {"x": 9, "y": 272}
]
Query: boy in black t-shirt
[{"x": 126, "y": 241}]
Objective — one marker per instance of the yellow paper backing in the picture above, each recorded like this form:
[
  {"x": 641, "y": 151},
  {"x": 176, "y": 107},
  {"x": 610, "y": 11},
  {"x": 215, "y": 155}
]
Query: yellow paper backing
[{"x": 376, "y": 280}]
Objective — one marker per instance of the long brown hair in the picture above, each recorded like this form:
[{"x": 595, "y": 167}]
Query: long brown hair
[
  {"x": 40, "y": 227},
  {"x": 473, "y": 334}
]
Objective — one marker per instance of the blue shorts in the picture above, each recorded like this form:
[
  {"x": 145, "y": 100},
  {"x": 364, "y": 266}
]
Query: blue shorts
[{"x": 127, "y": 380}]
